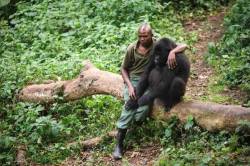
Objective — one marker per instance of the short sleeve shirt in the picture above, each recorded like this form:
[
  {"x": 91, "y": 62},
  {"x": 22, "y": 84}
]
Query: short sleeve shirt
[{"x": 134, "y": 62}]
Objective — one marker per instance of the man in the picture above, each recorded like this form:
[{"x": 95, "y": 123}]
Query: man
[{"x": 136, "y": 58}]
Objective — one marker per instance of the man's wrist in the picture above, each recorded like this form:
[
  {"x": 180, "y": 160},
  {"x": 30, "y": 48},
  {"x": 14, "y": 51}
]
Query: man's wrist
[
  {"x": 173, "y": 51},
  {"x": 130, "y": 85}
]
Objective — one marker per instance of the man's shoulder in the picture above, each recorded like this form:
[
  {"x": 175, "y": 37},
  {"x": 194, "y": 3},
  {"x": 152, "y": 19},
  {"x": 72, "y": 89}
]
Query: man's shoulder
[{"x": 132, "y": 46}]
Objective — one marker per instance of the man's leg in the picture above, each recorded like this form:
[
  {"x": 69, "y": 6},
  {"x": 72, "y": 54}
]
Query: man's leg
[
  {"x": 142, "y": 112},
  {"x": 123, "y": 123},
  {"x": 119, "y": 146},
  {"x": 126, "y": 118}
]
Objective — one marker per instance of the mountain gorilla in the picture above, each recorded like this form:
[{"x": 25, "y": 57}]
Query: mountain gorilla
[{"x": 162, "y": 82}]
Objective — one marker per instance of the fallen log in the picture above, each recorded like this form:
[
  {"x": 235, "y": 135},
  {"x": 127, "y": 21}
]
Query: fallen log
[
  {"x": 91, "y": 81},
  {"x": 20, "y": 156},
  {"x": 210, "y": 116},
  {"x": 93, "y": 141}
]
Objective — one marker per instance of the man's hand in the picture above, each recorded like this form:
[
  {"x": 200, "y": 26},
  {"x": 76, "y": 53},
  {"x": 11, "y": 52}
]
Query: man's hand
[
  {"x": 171, "y": 60},
  {"x": 131, "y": 91},
  {"x": 171, "y": 57}
]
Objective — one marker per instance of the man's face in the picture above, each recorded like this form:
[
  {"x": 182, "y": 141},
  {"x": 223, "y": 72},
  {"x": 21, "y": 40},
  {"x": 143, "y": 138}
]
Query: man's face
[{"x": 145, "y": 37}]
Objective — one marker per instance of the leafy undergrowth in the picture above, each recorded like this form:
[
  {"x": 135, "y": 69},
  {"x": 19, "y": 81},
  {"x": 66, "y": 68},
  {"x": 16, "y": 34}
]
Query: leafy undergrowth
[
  {"x": 230, "y": 57},
  {"x": 189, "y": 145},
  {"x": 48, "y": 40},
  {"x": 180, "y": 144}
]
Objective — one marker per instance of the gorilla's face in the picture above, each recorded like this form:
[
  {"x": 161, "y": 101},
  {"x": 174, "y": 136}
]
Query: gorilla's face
[{"x": 160, "y": 55}]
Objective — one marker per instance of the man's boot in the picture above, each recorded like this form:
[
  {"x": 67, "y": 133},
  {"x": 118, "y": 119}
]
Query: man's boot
[{"x": 119, "y": 146}]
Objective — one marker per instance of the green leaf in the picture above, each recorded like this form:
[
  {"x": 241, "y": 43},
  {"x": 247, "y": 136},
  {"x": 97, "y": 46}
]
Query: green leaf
[
  {"x": 190, "y": 123},
  {"x": 4, "y": 3}
]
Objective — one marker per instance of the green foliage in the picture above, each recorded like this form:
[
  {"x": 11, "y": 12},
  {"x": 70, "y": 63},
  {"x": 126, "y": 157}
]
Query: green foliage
[
  {"x": 195, "y": 9},
  {"x": 198, "y": 4},
  {"x": 243, "y": 130},
  {"x": 232, "y": 54},
  {"x": 172, "y": 131},
  {"x": 47, "y": 136},
  {"x": 187, "y": 144},
  {"x": 7, "y": 148},
  {"x": 190, "y": 123},
  {"x": 4, "y": 3},
  {"x": 48, "y": 40},
  {"x": 46, "y": 33}
]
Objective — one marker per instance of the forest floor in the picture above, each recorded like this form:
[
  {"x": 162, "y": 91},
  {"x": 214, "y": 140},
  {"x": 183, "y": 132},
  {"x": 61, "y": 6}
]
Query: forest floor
[{"x": 208, "y": 30}]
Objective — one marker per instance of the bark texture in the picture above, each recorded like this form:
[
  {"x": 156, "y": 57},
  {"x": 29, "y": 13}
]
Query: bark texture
[
  {"x": 93, "y": 141},
  {"x": 211, "y": 116},
  {"x": 20, "y": 156},
  {"x": 91, "y": 80}
]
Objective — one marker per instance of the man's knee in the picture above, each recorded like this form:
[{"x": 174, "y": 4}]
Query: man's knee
[
  {"x": 142, "y": 113},
  {"x": 125, "y": 119}
]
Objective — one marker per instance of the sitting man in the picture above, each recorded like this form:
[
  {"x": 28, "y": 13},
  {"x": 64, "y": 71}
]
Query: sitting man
[{"x": 136, "y": 58}]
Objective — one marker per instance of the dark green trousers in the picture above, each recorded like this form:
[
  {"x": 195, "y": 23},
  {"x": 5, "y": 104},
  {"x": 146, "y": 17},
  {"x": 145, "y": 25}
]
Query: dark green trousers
[{"x": 130, "y": 116}]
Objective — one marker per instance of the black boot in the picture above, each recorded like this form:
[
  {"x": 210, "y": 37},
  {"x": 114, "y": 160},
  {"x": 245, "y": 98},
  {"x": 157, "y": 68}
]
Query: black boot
[{"x": 119, "y": 146}]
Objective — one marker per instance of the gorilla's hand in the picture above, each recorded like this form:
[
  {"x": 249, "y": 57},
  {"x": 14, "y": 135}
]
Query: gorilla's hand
[{"x": 131, "y": 104}]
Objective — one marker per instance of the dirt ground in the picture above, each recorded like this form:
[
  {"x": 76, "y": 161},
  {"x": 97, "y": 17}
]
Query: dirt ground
[{"x": 209, "y": 30}]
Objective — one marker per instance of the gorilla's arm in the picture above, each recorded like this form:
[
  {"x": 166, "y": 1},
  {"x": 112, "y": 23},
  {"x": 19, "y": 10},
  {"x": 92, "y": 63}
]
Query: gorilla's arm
[
  {"x": 154, "y": 92},
  {"x": 183, "y": 67}
]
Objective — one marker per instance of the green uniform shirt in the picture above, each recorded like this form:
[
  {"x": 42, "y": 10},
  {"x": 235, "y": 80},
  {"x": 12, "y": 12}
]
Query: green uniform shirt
[{"x": 134, "y": 62}]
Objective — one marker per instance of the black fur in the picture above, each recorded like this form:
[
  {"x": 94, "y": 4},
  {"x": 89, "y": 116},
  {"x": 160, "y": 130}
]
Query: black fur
[{"x": 167, "y": 84}]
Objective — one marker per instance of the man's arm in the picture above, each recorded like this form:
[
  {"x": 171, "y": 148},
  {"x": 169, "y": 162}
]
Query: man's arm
[
  {"x": 171, "y": 57},
  {"x": 127, "y": 81}
]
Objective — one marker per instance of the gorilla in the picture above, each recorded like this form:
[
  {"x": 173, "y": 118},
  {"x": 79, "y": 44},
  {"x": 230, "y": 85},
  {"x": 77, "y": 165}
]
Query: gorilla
[{"x": 159, "y": 81}]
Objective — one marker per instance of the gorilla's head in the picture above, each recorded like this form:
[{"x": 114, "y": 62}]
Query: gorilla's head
[
  {"x": 160, "y": 55},
  {"x": 161, "y": 51}
]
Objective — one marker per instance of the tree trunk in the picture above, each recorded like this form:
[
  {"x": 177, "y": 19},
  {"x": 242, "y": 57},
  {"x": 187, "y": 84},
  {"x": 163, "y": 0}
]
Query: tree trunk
[
  {"x": 211, "y": 116},
  {"x": 92, "y": 81}
]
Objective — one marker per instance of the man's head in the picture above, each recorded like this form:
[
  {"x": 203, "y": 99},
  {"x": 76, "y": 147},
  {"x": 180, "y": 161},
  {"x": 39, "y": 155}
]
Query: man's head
[{"x": 145, "y": 35}]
